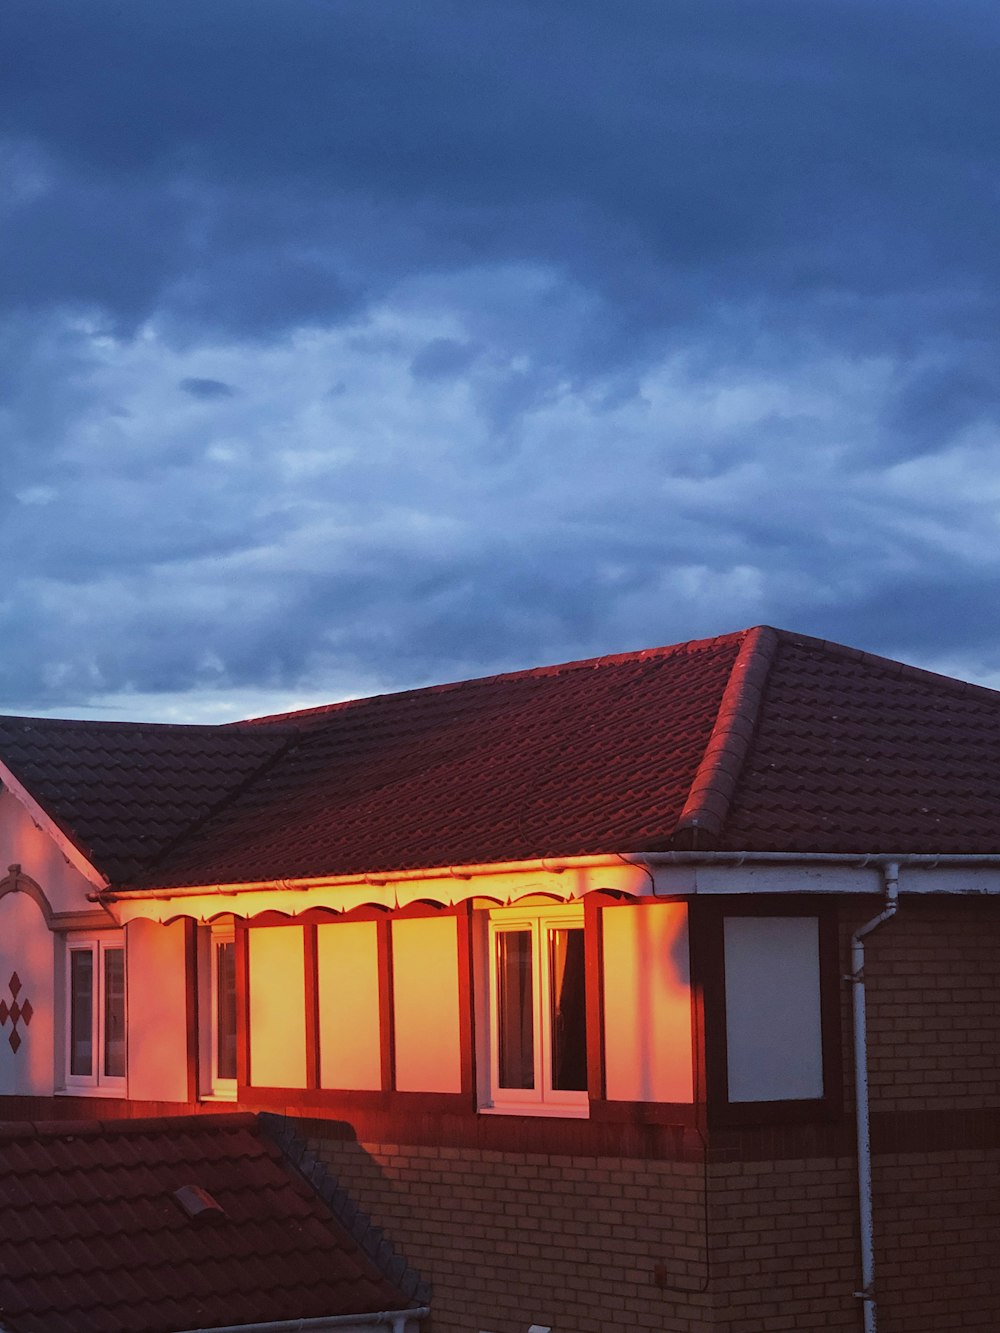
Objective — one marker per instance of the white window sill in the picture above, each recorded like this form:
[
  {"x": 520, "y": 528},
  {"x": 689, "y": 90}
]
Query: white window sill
[
  {"x": 219, "y": 1095},
  {"x": 538, "y": 1109},
  {"x": 86, "y": 1091}
]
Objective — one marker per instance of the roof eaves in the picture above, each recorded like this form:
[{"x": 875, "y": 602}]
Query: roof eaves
[{"x": 708, "y": 803}]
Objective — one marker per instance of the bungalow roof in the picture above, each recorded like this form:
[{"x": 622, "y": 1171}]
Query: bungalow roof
[{"x": 761, "y": 740}]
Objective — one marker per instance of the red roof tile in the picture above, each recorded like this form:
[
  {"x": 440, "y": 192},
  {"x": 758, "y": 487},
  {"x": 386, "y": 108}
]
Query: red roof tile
[
  {"x": 90, "y": 1243},
  {"x": 761, "y": 740}
]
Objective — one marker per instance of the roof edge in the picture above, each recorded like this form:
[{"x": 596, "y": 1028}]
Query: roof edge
[
  {"x": 714, "y": 783},
  {"x": 282, "y": 1130},
  {"x": 98, "y": 1127},
  {"x": 525, "y": 673},
  {"x": 905, "y": 670}
]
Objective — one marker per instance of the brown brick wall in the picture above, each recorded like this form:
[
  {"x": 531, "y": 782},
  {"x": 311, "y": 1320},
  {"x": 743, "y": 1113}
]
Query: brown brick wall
[
  {"x": 933, "y": 998},
  {"x": 937, "y": 1226},
  {"x": 510, "y": 1239}
]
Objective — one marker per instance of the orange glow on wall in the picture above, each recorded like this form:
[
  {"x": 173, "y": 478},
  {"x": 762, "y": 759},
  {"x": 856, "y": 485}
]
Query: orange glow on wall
[
  {"x": 26, "y": 1036},
  {"x": 647, "y": 1004},
  {"x": 23, "y": 843},
  {"x": 277, "y": 1007},
  {"x": 349, "y": 1041},
  {"x": 157, "y": 1033},
  {"x": 426, "y": 1004}
]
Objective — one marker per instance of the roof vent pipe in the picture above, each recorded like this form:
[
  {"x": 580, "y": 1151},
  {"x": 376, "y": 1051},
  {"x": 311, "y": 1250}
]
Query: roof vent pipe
[{"x": 890, "y": 877}]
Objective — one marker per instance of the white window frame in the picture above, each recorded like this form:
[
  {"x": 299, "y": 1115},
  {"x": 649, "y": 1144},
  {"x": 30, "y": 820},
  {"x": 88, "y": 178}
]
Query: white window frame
[
  {"x": 542, "y": 1099},
  {"x": 96, "y": 1083},
  {"x": 211, "y": 1086}
]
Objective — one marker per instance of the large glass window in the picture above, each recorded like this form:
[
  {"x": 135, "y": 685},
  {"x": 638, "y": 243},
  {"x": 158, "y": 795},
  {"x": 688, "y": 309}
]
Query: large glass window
[
  {"x": 217, "y": 1009},
  {"x": 537, "y": 1030},
  {"x": 95, "y": 1021}
]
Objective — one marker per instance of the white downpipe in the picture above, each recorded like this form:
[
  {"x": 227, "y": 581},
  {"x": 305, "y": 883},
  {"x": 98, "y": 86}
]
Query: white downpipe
[{"x": 890, "y": 874}]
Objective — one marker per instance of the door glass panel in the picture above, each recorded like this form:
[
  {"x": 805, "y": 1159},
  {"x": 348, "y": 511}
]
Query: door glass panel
[
  {"x": 567, "y": 1013},
  {"x": 81, "y": 1012},
  {"x": 114, "y": 1013},
  {"x": 515, "y": 1019}
]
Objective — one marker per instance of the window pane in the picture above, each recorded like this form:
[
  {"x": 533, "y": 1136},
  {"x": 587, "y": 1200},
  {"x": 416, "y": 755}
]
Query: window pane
[
  {"x": 515, "y": 1004},
  {"x": 568, "y": 1015},
  {"x": 81, "y": 1012},
  {"x": 225, "y": 1009},
  {"x": 114, "y": 1013}
]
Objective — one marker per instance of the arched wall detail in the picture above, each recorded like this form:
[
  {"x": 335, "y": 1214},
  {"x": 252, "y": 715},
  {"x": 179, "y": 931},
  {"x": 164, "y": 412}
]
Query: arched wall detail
[{"x": 16, "y": 881}]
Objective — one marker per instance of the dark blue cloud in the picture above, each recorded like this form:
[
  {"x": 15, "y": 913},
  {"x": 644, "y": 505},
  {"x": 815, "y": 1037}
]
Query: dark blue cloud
[{"x": 206, "y": 389}]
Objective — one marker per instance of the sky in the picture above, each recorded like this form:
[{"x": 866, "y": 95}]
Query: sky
[{"x": 354, "y": 345}]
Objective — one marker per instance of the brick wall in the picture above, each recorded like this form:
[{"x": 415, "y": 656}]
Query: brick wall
[
  {"x": 933, "y": 997},
  {"x": 785, "y": 1252},
  {"x": 584, "y": 1245}
]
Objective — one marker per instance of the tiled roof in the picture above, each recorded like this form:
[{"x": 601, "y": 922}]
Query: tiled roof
[
  {"x": 853, "y": 752},
  {"x": 761, "y": 740},
  {"x": 123, "y": 791},
  {"x": 588, "y": 757},
  {"x": 92, "y": 1239}
]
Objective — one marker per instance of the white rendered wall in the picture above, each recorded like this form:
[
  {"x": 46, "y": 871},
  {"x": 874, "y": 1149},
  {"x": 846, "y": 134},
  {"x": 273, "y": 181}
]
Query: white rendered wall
[
  {"x": 773, "y": 1027},
  {"x": 27, "y": 952},
  {"x": 155, "y": 961},
  {"x": 23, "y": 843},
  {"x": 277, "y": 1007},
  {"x": 426, "y": 1004},
  {"x": 647, "y": 1004}
]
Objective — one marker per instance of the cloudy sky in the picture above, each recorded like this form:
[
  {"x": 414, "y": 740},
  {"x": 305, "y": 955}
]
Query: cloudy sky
[{"x": 348, "y": 345}]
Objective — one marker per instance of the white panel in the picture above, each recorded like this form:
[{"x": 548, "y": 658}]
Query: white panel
[
  {"x": 156, "y": 1010},
  {"x": 26, "y": 951},
  {"x": 425, "y": 1004},
  {"x": 773, "y": 1028},
  {"x": 349, "y": 1040},
  {"x": 647, "y": 1004},
  {"x": 277, "y": 1007}
]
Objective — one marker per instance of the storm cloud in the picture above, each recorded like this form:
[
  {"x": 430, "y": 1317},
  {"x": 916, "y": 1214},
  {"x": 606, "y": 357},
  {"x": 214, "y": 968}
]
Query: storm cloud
[{"x": 347, "y": 347}]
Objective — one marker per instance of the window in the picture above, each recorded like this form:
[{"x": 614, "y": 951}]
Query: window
[
  {"x": 217, "y": 1010},
  {"x": 95, "y": 1020},
  {"x": 537, "y": 1017}
]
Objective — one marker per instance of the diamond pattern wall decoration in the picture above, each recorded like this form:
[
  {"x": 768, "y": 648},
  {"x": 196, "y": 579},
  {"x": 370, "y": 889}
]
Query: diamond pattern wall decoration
[{"x": 15, "y": 1012}]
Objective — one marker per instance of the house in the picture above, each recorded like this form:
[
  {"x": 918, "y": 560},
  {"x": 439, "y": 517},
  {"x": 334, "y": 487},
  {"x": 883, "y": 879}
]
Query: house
[{"x": 658, "y": 991}]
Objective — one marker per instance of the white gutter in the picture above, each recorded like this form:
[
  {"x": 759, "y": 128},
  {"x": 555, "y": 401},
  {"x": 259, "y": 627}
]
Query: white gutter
[
  {"x": 396, "y": 1320},
  {"x": 890, "y": 873},
  {"x": 377, "y": 879},
  {"x": 860, "y": 859}
]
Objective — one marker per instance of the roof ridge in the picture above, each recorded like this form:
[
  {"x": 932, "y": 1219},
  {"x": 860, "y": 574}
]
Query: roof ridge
[
  {"x": 524, "y": 673},
  {"x": 905, "y": 670},
  {"x": 715, "y": 781}
]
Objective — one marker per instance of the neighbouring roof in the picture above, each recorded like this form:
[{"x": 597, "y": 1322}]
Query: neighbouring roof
[
  {"x": 92, "y": 1239},
  {"x": 761, "y": 740}
]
